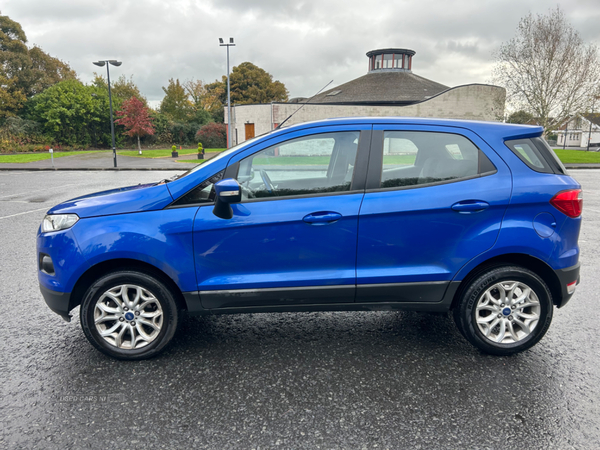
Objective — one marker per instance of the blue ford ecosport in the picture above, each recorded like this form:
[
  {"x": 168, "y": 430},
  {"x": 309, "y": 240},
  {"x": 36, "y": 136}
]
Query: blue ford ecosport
[{"x": 343, "y": 214}]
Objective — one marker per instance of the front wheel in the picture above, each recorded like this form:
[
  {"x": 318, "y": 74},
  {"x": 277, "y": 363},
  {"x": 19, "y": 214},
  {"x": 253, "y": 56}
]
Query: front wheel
[
  {"x": 505, "y": 310},
  {"x": 129, "y": 315}
]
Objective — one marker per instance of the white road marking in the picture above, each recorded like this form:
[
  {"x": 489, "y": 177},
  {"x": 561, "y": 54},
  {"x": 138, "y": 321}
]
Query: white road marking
[{"x": 26, "y": 212}]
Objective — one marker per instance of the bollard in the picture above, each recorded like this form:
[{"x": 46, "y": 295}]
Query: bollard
[{"x": 52, "y": 158}]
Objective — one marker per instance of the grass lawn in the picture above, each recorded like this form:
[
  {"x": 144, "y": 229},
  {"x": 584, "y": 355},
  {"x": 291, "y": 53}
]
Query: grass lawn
[
  {"x": 166, "y": 152},
  {"x": 577, "y": 156},
  {"x": 31, "y": 157},
  {"x": 323, "y": 160},
  {"x": 406, "y": 160},
  {"x": 292, "y": 161}
]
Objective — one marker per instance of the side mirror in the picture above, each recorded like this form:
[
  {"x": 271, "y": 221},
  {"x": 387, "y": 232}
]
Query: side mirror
[{"x": 227, "y": 191}]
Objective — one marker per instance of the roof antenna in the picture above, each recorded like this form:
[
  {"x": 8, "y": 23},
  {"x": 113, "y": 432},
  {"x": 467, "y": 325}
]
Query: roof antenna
[{"x": 303, "y": 105}]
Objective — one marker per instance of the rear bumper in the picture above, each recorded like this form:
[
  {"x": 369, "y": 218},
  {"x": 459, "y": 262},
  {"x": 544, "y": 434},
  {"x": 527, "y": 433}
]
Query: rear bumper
[
  {"x": 567, "y": 277},
  {"x": 59, "y": 302}
]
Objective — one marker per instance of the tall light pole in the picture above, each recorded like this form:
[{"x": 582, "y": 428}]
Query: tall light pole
[
  {"x": 112, "y": 124},
  {"x": 229, "y": 129}
]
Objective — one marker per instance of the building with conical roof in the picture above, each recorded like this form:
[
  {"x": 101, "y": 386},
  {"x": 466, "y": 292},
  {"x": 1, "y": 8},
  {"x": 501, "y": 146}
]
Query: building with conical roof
[{"x": 389, "y": 88}]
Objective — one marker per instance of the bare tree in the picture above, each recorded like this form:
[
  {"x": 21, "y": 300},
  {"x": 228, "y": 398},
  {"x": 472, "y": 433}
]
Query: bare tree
[{"x": 547, "y": 69}]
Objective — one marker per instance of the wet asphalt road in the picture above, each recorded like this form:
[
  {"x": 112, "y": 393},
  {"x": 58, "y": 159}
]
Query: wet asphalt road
[{"x": 295, "y": 380}]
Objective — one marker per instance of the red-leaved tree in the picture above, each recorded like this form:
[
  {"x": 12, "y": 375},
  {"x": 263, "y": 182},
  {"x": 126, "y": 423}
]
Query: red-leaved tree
[{"x": 136, "y": 120}]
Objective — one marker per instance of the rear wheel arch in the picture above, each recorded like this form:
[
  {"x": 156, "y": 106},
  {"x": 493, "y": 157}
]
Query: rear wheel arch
[
  {"x": 113, "y": 265},
  {"x": 536, "y": 265}
]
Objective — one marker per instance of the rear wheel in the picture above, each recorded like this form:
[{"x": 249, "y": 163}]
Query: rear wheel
[
  {"x": 505, "y": 310},
  {"x": 129, "y": 315}
]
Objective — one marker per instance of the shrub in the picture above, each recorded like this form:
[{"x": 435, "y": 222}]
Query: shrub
[
  {"x": 213, "y": 135},
  {"x": 20, "y": 135}
]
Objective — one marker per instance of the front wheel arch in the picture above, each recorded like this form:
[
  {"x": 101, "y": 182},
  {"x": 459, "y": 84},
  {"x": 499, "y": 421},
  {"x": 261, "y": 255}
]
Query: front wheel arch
[{"x": 112, "y": 265}]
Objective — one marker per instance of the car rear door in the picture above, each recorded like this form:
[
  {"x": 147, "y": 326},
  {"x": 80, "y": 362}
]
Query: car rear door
[{"x": 435, "y": 198}]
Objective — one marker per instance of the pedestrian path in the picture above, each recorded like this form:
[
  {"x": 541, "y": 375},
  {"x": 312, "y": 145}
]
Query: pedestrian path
[{"x": 104, "y": 161}]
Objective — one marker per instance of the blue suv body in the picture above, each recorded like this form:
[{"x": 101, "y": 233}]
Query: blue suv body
[{"x": 342, "y": 214}]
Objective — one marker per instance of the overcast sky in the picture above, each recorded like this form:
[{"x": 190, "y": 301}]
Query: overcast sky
[{"x": 304, "y": 44}]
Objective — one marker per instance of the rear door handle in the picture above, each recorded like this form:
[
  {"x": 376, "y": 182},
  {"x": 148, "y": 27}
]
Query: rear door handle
[
  {"x": 470, "y": 206},
  {"x": 322, "y": 217}
]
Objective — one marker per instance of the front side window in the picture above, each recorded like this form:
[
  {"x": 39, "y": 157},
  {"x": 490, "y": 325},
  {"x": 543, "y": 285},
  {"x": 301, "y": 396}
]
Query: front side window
[
  {"x": 413, "y": 158},
  {"x": 308, "y": 165},
  {"x": 203, "y": 193}
]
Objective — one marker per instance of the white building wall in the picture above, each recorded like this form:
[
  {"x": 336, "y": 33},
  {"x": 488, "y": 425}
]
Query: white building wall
[
  {"x": 472, "y": 102},
  {"x": 259, "y": 115},
  {"x": 578, "y": 132}
]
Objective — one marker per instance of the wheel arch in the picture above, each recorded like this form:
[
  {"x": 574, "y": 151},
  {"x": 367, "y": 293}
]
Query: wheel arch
[
  {"x": 518, "y": 259},
  {"x": 113, "y": 265}
]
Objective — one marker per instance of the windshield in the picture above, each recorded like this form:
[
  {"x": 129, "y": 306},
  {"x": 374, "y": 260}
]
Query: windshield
[{"x": 208, "y": 162}]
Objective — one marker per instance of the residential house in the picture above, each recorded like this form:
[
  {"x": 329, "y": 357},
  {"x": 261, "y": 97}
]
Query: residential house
[{"x": 579, "y": 130}]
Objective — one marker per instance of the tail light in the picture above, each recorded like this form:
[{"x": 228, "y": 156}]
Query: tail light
[{"x": 569, "y": 202}]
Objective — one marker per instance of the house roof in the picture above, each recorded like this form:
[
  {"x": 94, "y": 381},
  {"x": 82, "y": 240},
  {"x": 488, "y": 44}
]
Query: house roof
[
  {"x": 594, "y": 118},
  {"x": 382, "y": 87}
]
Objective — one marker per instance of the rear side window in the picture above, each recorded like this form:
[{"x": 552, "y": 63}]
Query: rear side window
[
  {"x": 537, "y": 155},
  {"x": 544, "y": 148},
  {"x": 416, "y": 157}
]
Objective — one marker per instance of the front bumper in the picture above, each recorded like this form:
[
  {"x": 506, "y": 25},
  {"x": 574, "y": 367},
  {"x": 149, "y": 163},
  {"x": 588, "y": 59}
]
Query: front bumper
[
  {"x": 59, "y": 302},
  {"x": 567, "y": 277}
]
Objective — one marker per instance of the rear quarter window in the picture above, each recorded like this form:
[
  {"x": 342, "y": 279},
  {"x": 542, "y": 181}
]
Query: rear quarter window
[{"x": 528, "y": 152}]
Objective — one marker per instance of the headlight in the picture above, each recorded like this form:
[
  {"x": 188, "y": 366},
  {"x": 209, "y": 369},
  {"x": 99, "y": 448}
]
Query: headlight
[{"x": 56, "y": 222}]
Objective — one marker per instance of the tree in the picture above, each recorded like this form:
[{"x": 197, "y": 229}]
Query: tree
[
  {"x": 44, "y": 71},
  {"x": 547, "y": 70},
  {"x": 248, "y": 84},
  {"x": 11, "y": 98},
  {"x": 24, "y": 72},
  {"x": 136, "y": 119},
  {"x": 197, "y": 95},
  {"x": 122, "y": 89},
  {"x": 65, "y": 111},
  {"x": 176, "y": 103},
  {"x": 13, "y": 56},
  {"x": 213, "y": 135},
  {"x": 520, "y": 116}
]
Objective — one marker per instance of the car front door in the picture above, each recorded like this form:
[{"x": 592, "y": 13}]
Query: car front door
[
  {"x": 435, "y": 198},
  {"x": 292, "y": 238}
]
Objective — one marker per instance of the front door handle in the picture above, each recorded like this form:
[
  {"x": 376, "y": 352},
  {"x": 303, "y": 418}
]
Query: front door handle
[
  {"x": 470, "y": 206},
  {"x": 322, "y": 217}
]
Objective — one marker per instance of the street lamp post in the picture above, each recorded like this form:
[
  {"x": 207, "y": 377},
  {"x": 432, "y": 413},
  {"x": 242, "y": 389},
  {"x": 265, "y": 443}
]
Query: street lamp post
[
  {"x": 590, "y": 133},
  {"x": 112, "y": 124},
  {"x": 229, "y": 129}
]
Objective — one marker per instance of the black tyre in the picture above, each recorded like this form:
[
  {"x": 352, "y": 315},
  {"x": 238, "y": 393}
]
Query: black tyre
[
  {"x": 505, "y": 310},
  {"x": 129, "y": 315}
]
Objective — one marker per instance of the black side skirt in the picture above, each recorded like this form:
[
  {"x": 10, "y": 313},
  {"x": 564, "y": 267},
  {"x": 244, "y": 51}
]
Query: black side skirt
[{"x": 431, "y": 296}]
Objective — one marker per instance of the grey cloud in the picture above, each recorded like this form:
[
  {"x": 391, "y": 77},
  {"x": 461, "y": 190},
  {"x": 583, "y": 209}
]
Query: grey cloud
[{"x": 304, "y": 44}]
